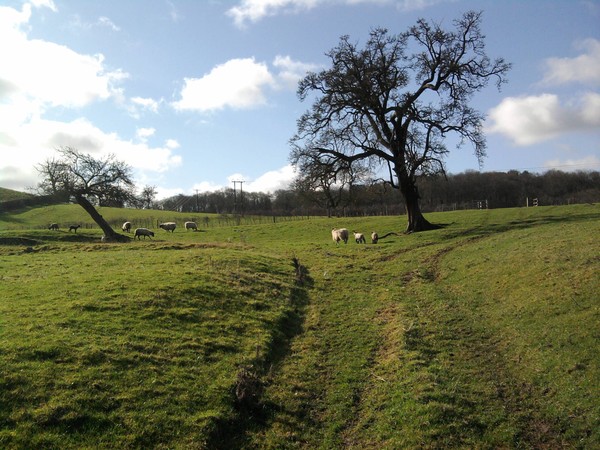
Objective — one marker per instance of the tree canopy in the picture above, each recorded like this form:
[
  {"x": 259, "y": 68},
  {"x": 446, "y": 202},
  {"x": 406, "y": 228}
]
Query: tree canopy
[
  {"x": 389, "y": 110},
  {"x": 85, "y": 178}
]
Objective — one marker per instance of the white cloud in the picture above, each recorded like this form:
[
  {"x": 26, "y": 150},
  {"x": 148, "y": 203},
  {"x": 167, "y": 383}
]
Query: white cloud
[
  {"x": 37, "y": 76},
  {"x": 584, "y": 68},
  {"x": 590, "y": 162},
  {"x": 106, "y": 22},
  {"x": 172, "y": 144},
  {"x": 268, "y": 182},
  {"x": 255, "y": 10},
  {"x": 237, "y": 84},
  {"x": 206, "y": 186},
  {"x": 43, "y": 74},
  {"x": 290, "y": 71},
  {"x": 44, "y": 4},
  {"x": 240, "y": 84},
  {"x": 40, "y": 138},
  {"x": 146, "y": 103},
  {"x": 532, "y": 119},
  {"x": 144, "y": 133}
]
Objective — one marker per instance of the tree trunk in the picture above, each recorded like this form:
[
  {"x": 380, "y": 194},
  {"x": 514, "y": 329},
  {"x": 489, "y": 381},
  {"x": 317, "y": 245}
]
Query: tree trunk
[
  {"x": 416, "y": 221},
  {"x": 110, "y": 234}
]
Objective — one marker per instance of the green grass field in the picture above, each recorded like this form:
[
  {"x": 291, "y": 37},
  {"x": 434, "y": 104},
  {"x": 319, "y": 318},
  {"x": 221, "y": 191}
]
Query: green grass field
[{"x": 482, "y": 334}]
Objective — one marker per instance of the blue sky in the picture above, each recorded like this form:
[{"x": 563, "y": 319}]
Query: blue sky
[{"x": 196, "y": 94}]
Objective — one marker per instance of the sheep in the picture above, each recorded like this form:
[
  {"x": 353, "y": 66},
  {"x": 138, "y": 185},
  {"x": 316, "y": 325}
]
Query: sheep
[
  {"x": 191, "y": 226},
  {"x": 340, "y": 234},
  {"x": 74, "y": 228},
  {"x": 126, "y": 227},
  {"x": 375, "y": 237},
  {"x": 168, "y": 226},
  {"x": 53, "y": 226},
  {"x": 359, "y": 238},
  {"x": 143, "y": 232}
]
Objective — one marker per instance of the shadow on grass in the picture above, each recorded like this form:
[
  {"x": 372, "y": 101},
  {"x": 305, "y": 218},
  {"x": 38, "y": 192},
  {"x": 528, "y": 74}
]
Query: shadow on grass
[
  {"x": 252, "y": 412},
  {"x": 519, "y": 224}
]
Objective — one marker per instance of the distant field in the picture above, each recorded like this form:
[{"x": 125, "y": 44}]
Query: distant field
[{"x": 482, "y": 334}]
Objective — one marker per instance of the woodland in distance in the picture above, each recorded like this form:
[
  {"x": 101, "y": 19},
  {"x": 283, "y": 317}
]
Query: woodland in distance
[{"x": 467, "y": 190}]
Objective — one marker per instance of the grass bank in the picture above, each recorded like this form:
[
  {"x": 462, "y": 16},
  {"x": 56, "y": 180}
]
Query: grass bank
[{"x": 481, "y": 334}]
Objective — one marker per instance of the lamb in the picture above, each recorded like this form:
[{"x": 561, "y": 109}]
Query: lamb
[
  {"x": 143, "y": 232},
  {"x": 168, "y": 226},
  {"x": 126, "y": 227},
  {"x": 375, "y": 237},
  {"x": 53, "y": 226},
  {"x": 74, "y": 228},
  {"x": 340, "y": 234},
  {"x": 191, "y": 226},
  {"x": 359, "y": 238}
]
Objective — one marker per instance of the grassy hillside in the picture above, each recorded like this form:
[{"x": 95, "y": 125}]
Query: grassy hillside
[
  {"x": 482, "y": 334},
  {"x": 72, "y": 214},
  {"x": 8, "y": 194}
]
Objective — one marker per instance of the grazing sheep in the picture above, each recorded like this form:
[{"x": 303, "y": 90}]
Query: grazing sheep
[
  {"x": 143, "y": 232},
  {"x": 168, "y": 226},
  {"x": 126, "y": 227},
  {"x": 340, "y": 234},
  {"x": 74, "y": 228},
  {"x": 359, "y": 238},
  {"x": 374, "y": 237},
  {"x": 53, "y": 226},
  {"x": 191, "y": 226}
]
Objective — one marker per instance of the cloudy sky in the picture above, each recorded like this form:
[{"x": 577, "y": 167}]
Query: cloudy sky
[{"x": 196, "y": 94}]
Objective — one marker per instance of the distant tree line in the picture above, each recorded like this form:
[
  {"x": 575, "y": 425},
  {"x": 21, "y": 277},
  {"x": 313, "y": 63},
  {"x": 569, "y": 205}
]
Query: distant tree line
[
  {"x": 468, "y": 190},
  {"x": 355, "y": 195}
]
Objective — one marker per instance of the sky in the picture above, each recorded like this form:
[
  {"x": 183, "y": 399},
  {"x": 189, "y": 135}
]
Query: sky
[{"x": 196, "y": 94}]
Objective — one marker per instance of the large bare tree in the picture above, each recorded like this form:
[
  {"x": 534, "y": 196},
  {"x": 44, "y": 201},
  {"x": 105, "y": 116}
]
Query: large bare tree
[
  {"x": 387, "y": 109},
  {"x": 84, "y": 178}
]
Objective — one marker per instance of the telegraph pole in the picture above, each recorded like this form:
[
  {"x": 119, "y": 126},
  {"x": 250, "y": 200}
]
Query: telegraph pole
[
  {"x": 241, "y": 198},
  {"x": 235, "y": 195}
]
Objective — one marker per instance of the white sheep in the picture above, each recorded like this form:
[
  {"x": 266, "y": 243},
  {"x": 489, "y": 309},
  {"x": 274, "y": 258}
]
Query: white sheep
[
  {"x": 126, "y": 227},
  {"x": 191, "y": 226},
  {"x": 374, "y": 237},
  {"x": 143, "y": 232},
  {"x": 339, "y": 234},
  {"x": 168, "y": 226},
  {"x": 359, "y": 238}
]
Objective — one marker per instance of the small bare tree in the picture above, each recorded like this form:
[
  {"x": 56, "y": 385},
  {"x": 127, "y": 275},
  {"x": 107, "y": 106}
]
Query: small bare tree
[
  {"x": 84, "y": 177},
  {"x": 148, "y": 196}
]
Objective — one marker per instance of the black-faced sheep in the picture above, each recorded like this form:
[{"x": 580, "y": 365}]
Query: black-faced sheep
[
  {"x": 53, "y": 226},
  {"x": 339, "y": 234},
  {"x": 126, "y": 227},
  {"x": 143, "y": 232},
  {"x": 168, "y": 226},
  {"x": 374, "y": 237},
  {"x": 359, "y": 238},
  {"x": 191, "y": 226},
  {"x": 74, "y": 228}
]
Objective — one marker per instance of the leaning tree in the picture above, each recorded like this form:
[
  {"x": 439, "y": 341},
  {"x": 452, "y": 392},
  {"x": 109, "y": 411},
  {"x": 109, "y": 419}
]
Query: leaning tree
[
  {"x": 84, "y": 177},
  {"x": 390, "y": 110}
]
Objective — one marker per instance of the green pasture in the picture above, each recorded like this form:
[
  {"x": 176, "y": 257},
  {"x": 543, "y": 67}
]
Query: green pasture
[{"x": 482, "y": 334}]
